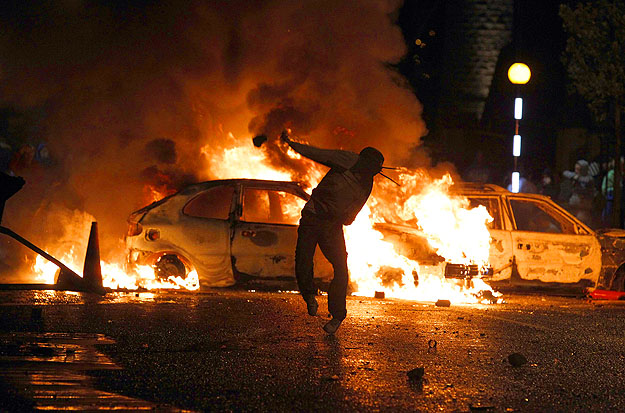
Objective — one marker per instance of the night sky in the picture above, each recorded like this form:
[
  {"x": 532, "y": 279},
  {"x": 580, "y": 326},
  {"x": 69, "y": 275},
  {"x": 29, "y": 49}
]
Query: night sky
[
  {"x": 539, "y": 41},
  {"x": 539, "y": 36}
]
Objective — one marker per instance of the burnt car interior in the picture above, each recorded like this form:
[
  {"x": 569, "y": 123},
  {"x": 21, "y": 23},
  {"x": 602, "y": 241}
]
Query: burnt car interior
[
  {"x": 533, "y": 216},
  {"x": 213, "y": 203},
  {"x": 271, "y": 206}
]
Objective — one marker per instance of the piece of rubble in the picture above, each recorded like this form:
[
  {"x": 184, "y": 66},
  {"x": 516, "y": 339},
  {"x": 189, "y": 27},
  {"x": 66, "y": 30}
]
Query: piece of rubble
[
  {"x": 416, "y": 374},
  {"x": 443, "y": 303},
  {"x": 481, "y": 408},
  {"x": 379, "y": 294},
  {"x": 517, "y": 359},
  {"x": 487, "y": 295}
]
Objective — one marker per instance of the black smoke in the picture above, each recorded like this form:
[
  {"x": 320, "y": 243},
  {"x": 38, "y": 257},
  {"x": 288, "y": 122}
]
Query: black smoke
[{"x": 128, "y": 92}]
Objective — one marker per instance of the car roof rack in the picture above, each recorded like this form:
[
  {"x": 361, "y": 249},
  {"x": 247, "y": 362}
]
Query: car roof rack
[{"x": 477, "y": 186}]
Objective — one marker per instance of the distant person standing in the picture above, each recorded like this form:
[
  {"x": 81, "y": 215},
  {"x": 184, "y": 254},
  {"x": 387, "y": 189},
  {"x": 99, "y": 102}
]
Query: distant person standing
[
  {"x": 335, "y": 202},
  {"x": 583, "y": 191},
  {"x": 607, "y": 190},
  {"x": 9, "y": 185},
  {"x": 22, "y": 160},
  {"x": 547, "y": 185}
]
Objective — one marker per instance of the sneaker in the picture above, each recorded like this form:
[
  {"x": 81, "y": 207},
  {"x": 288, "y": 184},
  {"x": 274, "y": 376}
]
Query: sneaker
[
  {"x": 332, "y": 325},
  {"x": 311, "y": 304}
]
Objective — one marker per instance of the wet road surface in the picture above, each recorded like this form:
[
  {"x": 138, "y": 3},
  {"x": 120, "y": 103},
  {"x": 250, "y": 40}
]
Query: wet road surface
[{"x": 236, "y": 350}]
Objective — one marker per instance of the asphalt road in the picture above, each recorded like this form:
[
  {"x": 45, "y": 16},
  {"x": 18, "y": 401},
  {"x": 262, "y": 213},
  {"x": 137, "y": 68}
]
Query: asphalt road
[{"x": 232, "y": 350}]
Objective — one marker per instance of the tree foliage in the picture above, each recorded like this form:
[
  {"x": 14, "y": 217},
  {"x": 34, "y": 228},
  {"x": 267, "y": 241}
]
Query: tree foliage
[{"x": 595, "y": 52}]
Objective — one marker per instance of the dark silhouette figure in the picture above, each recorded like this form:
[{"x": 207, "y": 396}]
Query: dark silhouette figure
[
  {"x": 582, "y": 191},
  {"x": 335, "y": 202},
  {"x": 548, "y": 185},
  {"x": 9, "y": 185}
]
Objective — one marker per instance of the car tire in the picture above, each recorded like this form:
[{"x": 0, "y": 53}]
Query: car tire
[
  {"x": 169, "y": 265},
  {"x": 618, "y": 281}
]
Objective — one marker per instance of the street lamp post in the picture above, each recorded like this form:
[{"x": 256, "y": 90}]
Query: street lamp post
[{"x": 518, "y": 74}]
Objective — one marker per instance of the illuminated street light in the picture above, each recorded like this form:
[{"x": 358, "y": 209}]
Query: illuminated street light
[{"x": 518, "y": 74}]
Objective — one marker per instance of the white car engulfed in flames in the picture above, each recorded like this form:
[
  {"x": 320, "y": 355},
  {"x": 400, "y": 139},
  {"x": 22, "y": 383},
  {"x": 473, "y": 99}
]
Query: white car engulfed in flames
[{"x": 236, "y": 229}]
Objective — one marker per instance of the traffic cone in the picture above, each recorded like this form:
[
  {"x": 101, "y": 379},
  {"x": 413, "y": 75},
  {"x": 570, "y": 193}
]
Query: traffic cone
[{"x": 92, "y": 273}]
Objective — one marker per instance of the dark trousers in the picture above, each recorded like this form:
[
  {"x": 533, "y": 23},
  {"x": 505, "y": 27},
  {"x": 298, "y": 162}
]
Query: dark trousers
[{"x": 329, "y": 236}]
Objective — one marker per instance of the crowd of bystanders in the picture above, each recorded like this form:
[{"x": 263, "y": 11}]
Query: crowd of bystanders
[{"x": 587, "y": 190}]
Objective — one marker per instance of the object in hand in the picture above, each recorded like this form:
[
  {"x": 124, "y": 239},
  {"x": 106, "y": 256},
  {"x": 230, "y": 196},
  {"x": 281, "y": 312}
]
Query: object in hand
[{"x": 259, "y": 140}]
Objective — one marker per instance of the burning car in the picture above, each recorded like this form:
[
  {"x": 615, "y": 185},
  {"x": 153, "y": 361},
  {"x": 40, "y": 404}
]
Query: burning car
[
  {"x": 223, "y": 230},
  {"x": 235, "y": 228},
  {"x": 536, "y": 242}
]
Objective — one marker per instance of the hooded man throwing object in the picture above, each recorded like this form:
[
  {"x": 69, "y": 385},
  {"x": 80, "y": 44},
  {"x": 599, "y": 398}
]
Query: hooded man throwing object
[{"x": 335, "y": 202}]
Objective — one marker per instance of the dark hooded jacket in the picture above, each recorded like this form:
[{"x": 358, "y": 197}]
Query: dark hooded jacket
[{"x": 342, "y": 193}]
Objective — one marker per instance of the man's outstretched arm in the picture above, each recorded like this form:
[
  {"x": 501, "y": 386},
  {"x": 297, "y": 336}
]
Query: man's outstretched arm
[{"x": 329, "y": 157}]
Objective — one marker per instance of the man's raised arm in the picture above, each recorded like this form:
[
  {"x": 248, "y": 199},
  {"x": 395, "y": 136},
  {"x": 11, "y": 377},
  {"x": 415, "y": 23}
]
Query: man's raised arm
[{"x": 329, "y": 157}]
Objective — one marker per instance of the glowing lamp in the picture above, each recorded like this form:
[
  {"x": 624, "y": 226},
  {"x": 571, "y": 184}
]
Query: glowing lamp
[{"x": 519, "y": 73}]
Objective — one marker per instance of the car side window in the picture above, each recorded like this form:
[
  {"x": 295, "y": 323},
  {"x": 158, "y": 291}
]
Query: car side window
[
  {"x": 492, "y": 206},
  {"x": 213, "y": 203},
  {"x": 271, "y": 206},
  {"x": 539, "y": 217}
]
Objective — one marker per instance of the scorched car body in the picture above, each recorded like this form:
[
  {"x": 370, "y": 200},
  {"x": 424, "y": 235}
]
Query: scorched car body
[
  {"x": 536, "y": 242},
  {"x": 222, "y": 229}
]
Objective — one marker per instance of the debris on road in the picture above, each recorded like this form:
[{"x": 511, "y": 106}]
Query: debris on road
[
  {"x": 416, "y": 374},
  {"x": 486, "y": 295},
  {"x": 607, "y": 295},
  {"x": 443, "y": 303},
  {"x": 481, "y": 408},
  {"x": 517, "y": 359}
]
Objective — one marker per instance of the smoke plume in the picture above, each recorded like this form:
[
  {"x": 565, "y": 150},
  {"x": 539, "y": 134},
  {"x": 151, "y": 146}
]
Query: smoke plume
[{"x": 141, "y": 93}]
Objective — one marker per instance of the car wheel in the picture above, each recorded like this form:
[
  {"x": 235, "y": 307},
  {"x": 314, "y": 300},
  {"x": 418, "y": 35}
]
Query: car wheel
[
  {"x": 169, "y": 265},
  {"x": 618, "y": 282}
]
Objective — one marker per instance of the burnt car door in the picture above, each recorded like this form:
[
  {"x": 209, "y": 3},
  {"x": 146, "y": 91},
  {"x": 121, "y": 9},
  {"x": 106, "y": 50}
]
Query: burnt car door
[
  {"x": 265, "y": 231},
  {"x": 550, "y": 245},
  {"x": 500, "y": 251},
  {"x": 203, "y": 233}
]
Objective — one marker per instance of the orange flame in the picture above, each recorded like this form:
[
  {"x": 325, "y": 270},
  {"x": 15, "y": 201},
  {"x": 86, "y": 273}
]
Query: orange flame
[
  {"x": 456, "y": 232},
  {"x": 113, "y": 273}
]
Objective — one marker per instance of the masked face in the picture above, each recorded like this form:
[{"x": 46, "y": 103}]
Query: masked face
[{"x": 370, "y": 161}]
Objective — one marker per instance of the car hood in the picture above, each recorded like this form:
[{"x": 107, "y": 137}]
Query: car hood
[
  {"x": 612, "y": 238},
  {"x": 611, "y": 232}
]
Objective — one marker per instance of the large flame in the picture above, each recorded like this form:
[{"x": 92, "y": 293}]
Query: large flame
[
  {"x": 456, "y": 232},
  {"x": 114, "y": 274}
]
